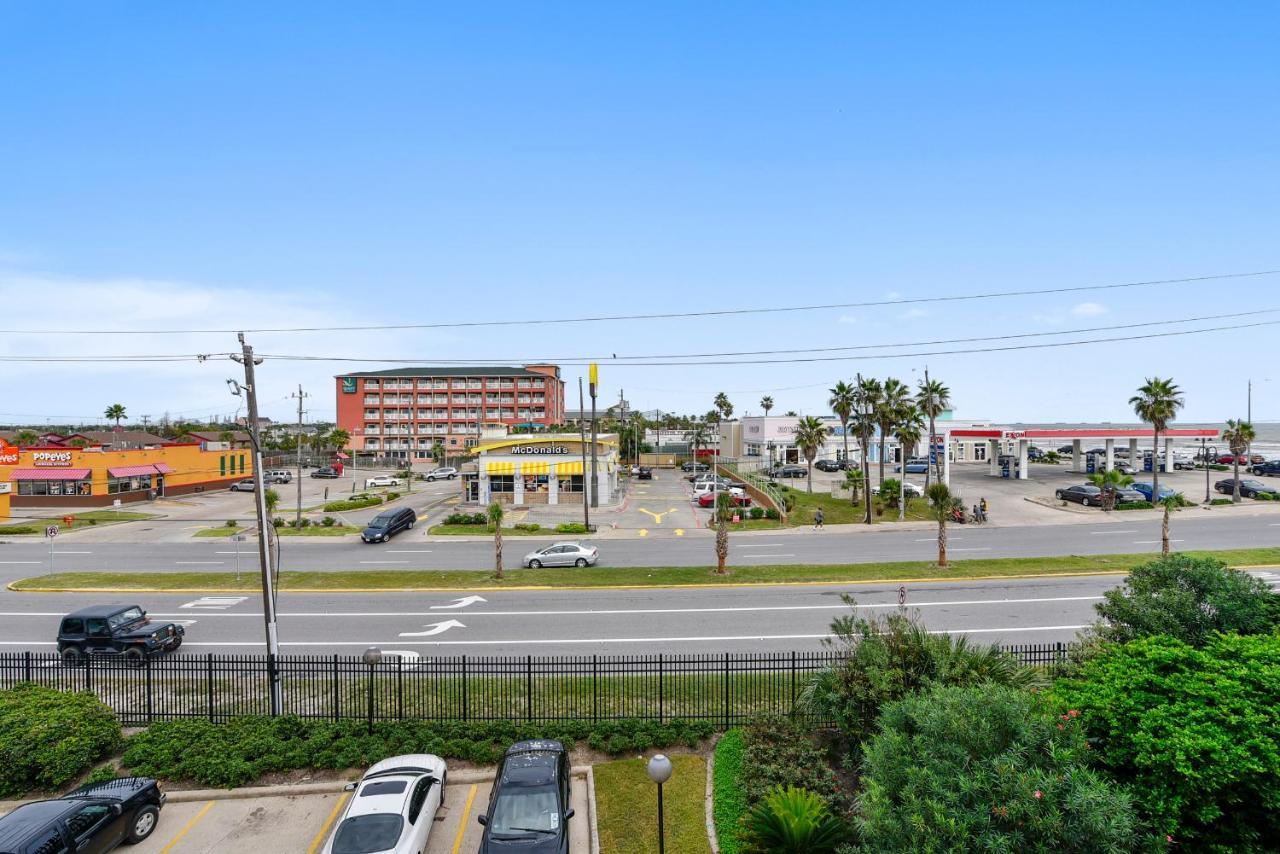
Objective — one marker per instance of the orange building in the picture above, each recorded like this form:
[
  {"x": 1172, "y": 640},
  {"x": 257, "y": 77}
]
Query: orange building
[{"x": 62, "y": 476}]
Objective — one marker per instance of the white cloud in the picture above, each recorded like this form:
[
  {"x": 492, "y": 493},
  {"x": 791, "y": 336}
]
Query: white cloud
[
  {"x": 848, "y": 318},
  {"x": 892, "y": 295},
  {"x": 912, "y": 314},
  {"x": 1088, "y": 309}
]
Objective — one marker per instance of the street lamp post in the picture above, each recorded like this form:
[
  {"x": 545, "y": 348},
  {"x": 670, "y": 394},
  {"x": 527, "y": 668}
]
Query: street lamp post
[
  {"x": 1208, "y": 452},
  {"x": 372, "y": 656},
  {"x": 659, "y": 770}
]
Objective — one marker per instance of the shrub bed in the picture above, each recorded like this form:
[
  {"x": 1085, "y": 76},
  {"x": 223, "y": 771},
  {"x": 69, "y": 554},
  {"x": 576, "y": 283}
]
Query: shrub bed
[
  {"x": 1218, "y": 502},
  {"x": 466, "y": 519},
  {"x": 358, "y": 502},
  {"x": 571, "y": 528},
  {"x": 17, "y": 529},
  {"x": 243, "y": 749},
  {"x": 48, "y": 737},
  {"x": 1134, "y": 505},
  {"x": 730, "y": 802}
]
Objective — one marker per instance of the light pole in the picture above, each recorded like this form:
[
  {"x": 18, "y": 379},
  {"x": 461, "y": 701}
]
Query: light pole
[
  {"x": 1209, "y": 452},
  {"x": 659, "y": 770},
  {"x": 372, "y": 656}
]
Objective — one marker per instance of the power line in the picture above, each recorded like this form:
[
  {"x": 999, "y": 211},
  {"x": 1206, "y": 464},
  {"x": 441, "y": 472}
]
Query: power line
[{"x": 658, "y": 316}]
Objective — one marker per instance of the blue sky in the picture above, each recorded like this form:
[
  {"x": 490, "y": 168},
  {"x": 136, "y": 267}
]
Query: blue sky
[{"x": 236, "y": 164}]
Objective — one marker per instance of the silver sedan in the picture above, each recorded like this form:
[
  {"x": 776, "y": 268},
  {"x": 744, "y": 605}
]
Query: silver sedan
[{"x": 562, "y": 554}]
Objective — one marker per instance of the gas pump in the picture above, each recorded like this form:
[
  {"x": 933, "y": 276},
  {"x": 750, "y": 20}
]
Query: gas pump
[{"x": 1091, "y": 463}]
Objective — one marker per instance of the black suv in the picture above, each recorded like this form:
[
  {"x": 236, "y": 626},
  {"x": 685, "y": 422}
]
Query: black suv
[
  {"x": 93, "y": 819},
  {"x": 789, "y": 471},
  {"x": 529, "y": 806},
  {"x": 325, "y": 472},
  {"x": 692, "y": 466},
  {"x": 644, "y": 473},
  {"x": 1269, "y": 467},
  {"x": 123, "y": 630},
  {"x": 387, "y": 524}
]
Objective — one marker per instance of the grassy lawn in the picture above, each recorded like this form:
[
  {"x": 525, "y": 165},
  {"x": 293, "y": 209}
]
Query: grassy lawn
[
  {"x": 310, "y": 531},
  {"x": 627, "y": 806},
  {"x": 756, "y": 525},
  {"x": 486, "y": 531},
  {"x": 83, "y": 519},
  {"x": 459, "y": 579},
  {"x": 730, "y": 802},
  {"x": 837, "y": 511}
]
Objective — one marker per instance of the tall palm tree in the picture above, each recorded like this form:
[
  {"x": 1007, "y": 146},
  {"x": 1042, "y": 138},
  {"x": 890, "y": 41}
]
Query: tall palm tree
[
  {"x": 697, "y": 437},
  {"x": 339, "y": 438},
  {"x": 1238, "y": 436},
  {"x": 810, "y": 435},
  {"x": 724, "y": 509},
  {"x": 495, "y": 519},
  {"x": 867, "y": 394},
  {"x": 115, "y": 412},
  {"x": 842, "y": 403},
  {"x": 723, "y": 405},
  {"x": 766, "y": 403},
  {"x": 908, "y": 431},
  {"x": 893, "y": 402},
  {"x": 1157, "y": 403},
  {"x": 1173, "y": 502},
  {"x": 933, "y": 397},
  {"x": 940, "y": 501}
]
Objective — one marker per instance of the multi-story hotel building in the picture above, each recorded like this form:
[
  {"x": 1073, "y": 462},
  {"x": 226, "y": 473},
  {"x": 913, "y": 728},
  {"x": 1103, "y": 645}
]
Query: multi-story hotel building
[{"x": 403, "y": 412}]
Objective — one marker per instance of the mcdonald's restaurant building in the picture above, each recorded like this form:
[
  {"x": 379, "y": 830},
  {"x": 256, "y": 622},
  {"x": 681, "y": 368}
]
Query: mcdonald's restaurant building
[{"x": 541, "y": 469}]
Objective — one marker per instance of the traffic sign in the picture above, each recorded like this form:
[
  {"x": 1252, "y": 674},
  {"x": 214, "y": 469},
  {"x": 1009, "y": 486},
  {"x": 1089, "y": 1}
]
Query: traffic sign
[{"x": 51, "y": 531}]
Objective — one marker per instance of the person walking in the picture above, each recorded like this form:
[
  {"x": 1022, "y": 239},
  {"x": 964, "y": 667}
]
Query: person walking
[
  {"x": 817, "y": 519},
  {"x": 982, "y": 505}
]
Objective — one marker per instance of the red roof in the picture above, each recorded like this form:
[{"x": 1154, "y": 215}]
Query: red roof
[
  {"x": 49, "y": 474},
  {"x": 163, "y": 468},
  {"x": 132, "y": 471}
]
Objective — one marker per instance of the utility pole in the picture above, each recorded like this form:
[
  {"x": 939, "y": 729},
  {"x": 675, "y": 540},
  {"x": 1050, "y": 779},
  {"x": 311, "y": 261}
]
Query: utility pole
[
  {"x": 594, "y": 381},
  {"x": 582, "y": 431},
  {"x": 145, "y": 420},
  {"x": 264, "y": 547},
  {"x": 298, "y": 447}
]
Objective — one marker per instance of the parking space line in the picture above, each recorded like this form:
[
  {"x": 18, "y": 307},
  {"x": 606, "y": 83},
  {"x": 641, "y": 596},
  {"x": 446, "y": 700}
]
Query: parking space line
[
  {"x": 186, "y": 828},
  {"x": 328, "y": 823},
  {"x": 466, "y": 815}
]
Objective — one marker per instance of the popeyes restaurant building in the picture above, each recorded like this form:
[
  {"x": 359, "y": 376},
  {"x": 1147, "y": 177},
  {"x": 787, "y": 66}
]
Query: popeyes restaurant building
[
  {"x": 541, "y": 469},
  {"x": 61, "y": 476}
]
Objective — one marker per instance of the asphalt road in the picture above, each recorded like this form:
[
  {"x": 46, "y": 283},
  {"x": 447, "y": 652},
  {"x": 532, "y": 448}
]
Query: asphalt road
[
  {"x": 415, "y": 550},
  {"x": 585, "y": 622}
]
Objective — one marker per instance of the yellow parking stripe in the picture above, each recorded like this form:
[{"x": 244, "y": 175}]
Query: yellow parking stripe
[
  {"x": 328, "y": 823},
  {"x": 466, "y": 814},
  {"x": 186, "y": 828}
]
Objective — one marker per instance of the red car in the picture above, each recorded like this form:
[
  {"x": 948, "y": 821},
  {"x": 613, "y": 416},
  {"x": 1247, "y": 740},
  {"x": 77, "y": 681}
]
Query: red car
[
  {"x": 708, "y": 499},
  {"x": 1228, "y": 459}
]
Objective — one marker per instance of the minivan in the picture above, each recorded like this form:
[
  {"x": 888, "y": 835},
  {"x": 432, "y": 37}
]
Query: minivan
[{"x": 387, "y": 524}]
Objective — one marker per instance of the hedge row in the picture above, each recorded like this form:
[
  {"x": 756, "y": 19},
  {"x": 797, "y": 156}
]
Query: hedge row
[
  {"x": 358, "y": 502},
  {"x": 48, "y": 738}
]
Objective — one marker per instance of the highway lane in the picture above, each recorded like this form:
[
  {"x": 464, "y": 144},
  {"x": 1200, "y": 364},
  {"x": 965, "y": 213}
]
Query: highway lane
[
  {"x": 416, "y": 550},
  {"x": 605, "y": 622}
]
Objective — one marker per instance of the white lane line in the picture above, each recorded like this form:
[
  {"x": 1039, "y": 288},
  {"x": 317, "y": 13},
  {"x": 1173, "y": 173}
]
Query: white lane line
[
  {"x": 408, "y": 551},
  {"x": 983, "y": 549},
  {"x": 759, "y": 545},
  {"x": 199, "y": 562},
  {"x": 61, "y": 552},
  {"x": 383, "y": 561},
  {"x": 935, "y": 539},
  {"x": 766, "y": 555},
  {"x": 1103, "y": 533},
  {"x": 1152, "y": 542},
  {"x": 16, "y": 562}
]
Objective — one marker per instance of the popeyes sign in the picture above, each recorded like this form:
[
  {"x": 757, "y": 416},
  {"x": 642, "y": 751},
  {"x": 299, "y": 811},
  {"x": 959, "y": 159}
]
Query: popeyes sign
[
  {"x": 51, "y": 458},
  {"x": 8, "y": 454}
]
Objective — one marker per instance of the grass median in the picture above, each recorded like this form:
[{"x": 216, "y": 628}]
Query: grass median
[{"x": 597, "y": 576}]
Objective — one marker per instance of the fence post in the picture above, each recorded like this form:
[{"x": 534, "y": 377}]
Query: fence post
[
  {"x": 595, "y": 693},
  {"x": 399, "y": 688},
  {"x": 88, "y": 672},
  {"x": 149, "y": 707},
  {"x": 660, "y": 668},
  {"x": 26, "y": 666},
  {"x": 726, "y": 690},
  {"x": 464, "y": 688},
  {"x": 528, "y": 687},
  {"x": 337, "y": 702},
  {"x": 208, "y": 669},
  {"x": 793, "y": 683}
]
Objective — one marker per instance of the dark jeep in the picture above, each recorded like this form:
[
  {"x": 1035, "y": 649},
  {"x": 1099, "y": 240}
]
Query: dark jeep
[
  {"x": 123, "y": 630},
  {"x": 95, "y": 818}
]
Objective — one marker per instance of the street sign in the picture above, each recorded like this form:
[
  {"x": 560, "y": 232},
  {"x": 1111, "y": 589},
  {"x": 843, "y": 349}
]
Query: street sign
[{"x": 51, "y": 531}]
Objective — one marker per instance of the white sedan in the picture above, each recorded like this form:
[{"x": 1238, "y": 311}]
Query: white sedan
[
  {"x": 392, "y": 808},
  {"x": 381, "y": 480},
  {"x": 910, "y": 488}
]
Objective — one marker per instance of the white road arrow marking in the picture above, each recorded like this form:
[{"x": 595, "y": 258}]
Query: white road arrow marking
[
  {"x": 460, "y": 603},
  {"x": 434, "y": 629}
]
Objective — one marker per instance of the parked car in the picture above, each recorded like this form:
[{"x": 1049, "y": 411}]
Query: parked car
[
  {"x": 714, "y": 486},
  {"x": 1126, "y": 494},
  {"x": 1256, "y": 459},
  {"x": 381, "y": 480},
  {"x": 1270, "y": 467},
  {"x": 245, "y": 485},
  {"x": 1146, "y": 488},
  {"x": 528, "y": 809},
  {"x": 828, "y": 465},
  {"x": 1086, "y": 494},
  {"x": 1230, "y": 459},
  {"x": 644, "y": 473},
  {"x": 790, "y": 471},
  {"x": 388, "y": 523},
  {"x": 692, "y": 466},
  {"x": 123, "y": 630},
  {"x": 915, "y": 465},
  {"x": 443, "y": 473},
  {"x": 1034, "y": 453},
  {"x": 1066, "y": 450},
  {"x": 562, "y": 554},
  {"x": 327, "y": 471},
  {"x": 1248, "y": 488},
  {"x": 910, "y": 488},
  {"x": 708, "y": 499},
  {"x": 393, "y": 808},
  {"x": 279, "y": 476},
  {"x": 92, "y": 819}
]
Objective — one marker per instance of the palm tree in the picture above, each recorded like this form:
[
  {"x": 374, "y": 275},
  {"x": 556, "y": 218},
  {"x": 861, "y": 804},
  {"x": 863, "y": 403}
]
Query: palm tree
[
  {"x": 1239, "y": 435},
  {"x": 697, "y": 437},
  {"x": 940, "y": 499},
  {"x": 495, "y": 519},
  {"x": 26, "y": 438},
  {"x": 115, "y": 411},
  {"x": 933, "y": 397},
  {"x": 867, "y": 395},
  {"x": 1157, "y": 403},
  {"x": 339, "y": 438},
  {"x": 724, "y": 509},
  {"x": 908, "y": 431},
  {"x": 811, "y": 433},
  {"x": 272, "y": 499},
  {"x": 723, "y": 405},
  {"x": 1109, "y": 481},
  {"x": 766, "y": 403},
  {"x": 893, "y": 400},
  {"x": 842, "y": 403},
  {"x": 1173, "y": 502}
]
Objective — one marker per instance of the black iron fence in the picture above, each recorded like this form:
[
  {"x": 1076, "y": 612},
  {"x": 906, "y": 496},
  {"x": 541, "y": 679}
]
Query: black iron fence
[{"x": 727, "y": 687}]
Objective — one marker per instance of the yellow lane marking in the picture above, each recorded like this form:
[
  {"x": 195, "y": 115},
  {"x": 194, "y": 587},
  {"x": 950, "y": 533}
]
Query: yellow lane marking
[
  {"x": 644, "y": 532},
  {"x": 328, "y": 823},
  {"x": 186, "y": 828},
  {"x": 679, "y": 532},
  {"x": 466, "y": 814}
]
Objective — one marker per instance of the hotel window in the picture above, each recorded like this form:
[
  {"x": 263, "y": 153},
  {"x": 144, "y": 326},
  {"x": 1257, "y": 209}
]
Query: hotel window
[
  {"x": 502, "y": 483},
  {"x": 371, "y": 384}
]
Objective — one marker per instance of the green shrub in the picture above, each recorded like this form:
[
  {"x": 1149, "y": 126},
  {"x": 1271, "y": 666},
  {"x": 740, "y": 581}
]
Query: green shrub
[
  {"x": 1263, "y": 496},
  {"x": 1196, "y": 732},
  {"x": 392, "y": 496},
  {"x": 277, "y": 522},
  {"x": 356, "y": 502},
  {"x": 987, "y": 768},
  {"x": 781, "y": 752},
  {"x": 1134, "y": 505},
  {"x": 1218, "y": 502},
  {"x": 232, "y": 523},
  {"x": 889, "y": 492},
  {"x": 102, "y": 774},
  {"x": 571, "y": 528},
  {"x": 528, "y": 526},
  {"x": 18, "y": 529},
  {"x": 793, "y": 821},
  {"x": 756, "y": 512},
  {"x": 328, "y": 521},
  {"x": 244, "y": 749},
  {"x": 1187, "y": 598},
  {"x": 772, "y": 513},
  {"x": 48, "y": 737},
  {"x": 729, "y": 803},
  {"x": 461, "y": 519}
]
